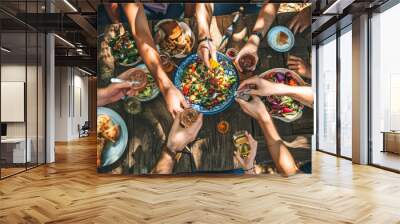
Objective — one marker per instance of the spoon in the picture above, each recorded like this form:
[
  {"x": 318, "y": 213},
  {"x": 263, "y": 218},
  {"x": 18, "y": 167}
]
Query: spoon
[{"x": 117, "y": 80}]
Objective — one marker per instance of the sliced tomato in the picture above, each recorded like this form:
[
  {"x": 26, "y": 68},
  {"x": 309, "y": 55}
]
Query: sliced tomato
[
  {"x": 292, "y": 82},
  {"x": 186, "y": 89}
]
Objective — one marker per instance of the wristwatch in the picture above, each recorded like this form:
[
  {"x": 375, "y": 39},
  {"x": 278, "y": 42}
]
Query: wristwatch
[{"x": 258, "y": 34}]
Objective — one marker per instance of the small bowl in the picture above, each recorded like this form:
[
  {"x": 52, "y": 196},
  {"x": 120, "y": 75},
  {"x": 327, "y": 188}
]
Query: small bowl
[
  {"x": 295, "y": 76},
  {"x": 230, "y": 51},
  {"x": 186, "y": 31}
]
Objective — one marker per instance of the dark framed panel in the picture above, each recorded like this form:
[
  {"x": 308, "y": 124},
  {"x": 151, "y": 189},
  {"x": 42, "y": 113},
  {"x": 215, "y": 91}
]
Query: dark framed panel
[
  {"x": 381, "y": 163},
  {"x": 29, "y": 58},
  {"x": 341, "y": 29}
]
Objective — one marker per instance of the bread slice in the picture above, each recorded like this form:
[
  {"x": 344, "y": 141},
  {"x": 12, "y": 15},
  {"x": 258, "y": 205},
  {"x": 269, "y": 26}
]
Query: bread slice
[
  {"x": 171, "y": 29},
  {"x": 282, "y": 38}
]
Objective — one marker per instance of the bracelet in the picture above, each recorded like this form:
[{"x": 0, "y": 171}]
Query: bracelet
[
  {"x": 249, "y": 168},
  {"x": 258, "y": 34},
  {"x": 205, "y": 39},
  {"x": 169, "y": 152}
]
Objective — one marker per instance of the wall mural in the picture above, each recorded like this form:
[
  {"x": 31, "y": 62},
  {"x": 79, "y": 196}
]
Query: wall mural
[{"x": 204, "y": 88}]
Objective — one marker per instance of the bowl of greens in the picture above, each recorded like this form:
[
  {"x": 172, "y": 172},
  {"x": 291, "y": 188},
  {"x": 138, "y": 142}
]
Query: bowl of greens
[
  {"x": 284, "y": 108},
  {"x": 151, "y": 91},
  {"x": 124, "y": 49},
  {"x": 207, "y": 90}
]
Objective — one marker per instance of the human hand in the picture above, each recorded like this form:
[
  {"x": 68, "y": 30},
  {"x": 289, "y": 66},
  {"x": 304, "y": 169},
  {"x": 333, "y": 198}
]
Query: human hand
[
  {"x": 301, "y": 21},
  {"x": 248, "y": 162},
  {"x": 262, "y": 86},
  {"x": 174, "y": 100},
  {"x": 249, "y": 48},
  {"x": 254, "y": 108},
  {"x": 205, "y": 50},
  {"x": 114, "y": 92},
  {"x": 299, "y": 66},
  {"x": 179, "y": 136}
]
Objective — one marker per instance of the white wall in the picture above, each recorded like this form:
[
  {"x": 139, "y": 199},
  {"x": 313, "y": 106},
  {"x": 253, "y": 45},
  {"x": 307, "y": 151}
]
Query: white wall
[
  {"x": 71, "y": 94},
  {"x": 34, "y": 125}
]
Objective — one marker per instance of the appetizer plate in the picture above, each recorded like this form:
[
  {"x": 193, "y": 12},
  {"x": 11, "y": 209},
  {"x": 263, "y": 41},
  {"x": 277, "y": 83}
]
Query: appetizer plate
[
  {"x": 272, "y": 38},
  {"x": 155, "y": 89},
  {"x": 229, "y": 69},
  {"x": 112, "y": 31},
  {"x": 112, "y": 152},
  {"x": 186, "y": 31},
  {"x": 295, "y": 76}
]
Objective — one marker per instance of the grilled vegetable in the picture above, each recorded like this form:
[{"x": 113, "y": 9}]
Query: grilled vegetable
[{"x": 123, "y": 48}]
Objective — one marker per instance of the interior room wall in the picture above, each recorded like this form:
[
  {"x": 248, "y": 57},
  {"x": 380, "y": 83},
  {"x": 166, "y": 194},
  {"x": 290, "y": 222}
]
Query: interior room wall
[
  {"x": 71, "y": 102},
  {"x": 16, "y": 73}
]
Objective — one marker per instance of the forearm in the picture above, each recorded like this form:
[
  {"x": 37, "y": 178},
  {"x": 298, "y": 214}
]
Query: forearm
[
  {"x": 265, "y": 18},
  {"x": 165, "y": 164},
  {"x": 303, "y": 94},
  {"x": 204, "y": 12},
  {"x": 144, "y": 41},
  {"x": 102, "y": 97},
  {"x": 280, "y": 154},
  {"x": 112, "y": 12}
]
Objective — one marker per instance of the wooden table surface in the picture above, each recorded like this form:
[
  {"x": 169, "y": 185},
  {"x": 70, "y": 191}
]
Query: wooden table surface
[{"x": 214, "y": 151}]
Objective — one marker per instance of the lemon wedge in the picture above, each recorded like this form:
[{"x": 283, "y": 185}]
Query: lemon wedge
[{"x": 214, "y": 63}]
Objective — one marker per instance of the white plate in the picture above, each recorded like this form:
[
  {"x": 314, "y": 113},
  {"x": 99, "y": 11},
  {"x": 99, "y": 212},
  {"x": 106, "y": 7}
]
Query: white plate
[{"x": 298, "y": 79}]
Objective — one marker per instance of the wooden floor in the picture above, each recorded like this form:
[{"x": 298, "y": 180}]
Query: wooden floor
[{"x": 70, "y": 191}]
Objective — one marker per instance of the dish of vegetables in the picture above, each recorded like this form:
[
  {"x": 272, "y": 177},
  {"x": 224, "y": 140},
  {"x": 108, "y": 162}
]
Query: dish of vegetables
[
  {"x": 124, "y": 50},
  {"x": 208, "y": 90},
  {"x": 284, "y": 107},
  {"x": 151, "y": 91}
]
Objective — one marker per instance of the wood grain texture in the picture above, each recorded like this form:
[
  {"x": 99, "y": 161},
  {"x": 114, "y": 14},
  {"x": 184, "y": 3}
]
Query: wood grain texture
[
  {"x": 70, "y": 191},
  {"x": 213, "y": 151}
]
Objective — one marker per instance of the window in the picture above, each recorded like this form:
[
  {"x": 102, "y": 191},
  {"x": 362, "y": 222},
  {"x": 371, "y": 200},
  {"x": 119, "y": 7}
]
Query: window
[
  {"x": 346, "y": 92},
  {"x": 22, "y": 77},
  {"x": 385, "y": 89},
  {"x": 327, "y": 96}
]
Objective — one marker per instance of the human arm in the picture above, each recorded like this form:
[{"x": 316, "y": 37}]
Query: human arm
[
  {"x": 113, "y": 93},
  {"x": 178, "y": 138},
  {"x": 204, "y": 13},
  {"x": 301, "y": 21},
  {"x": 303, "y": 94},
  {"x": 112, "y": 12},
  {"x": 138, "y": 25},
  {"x": 247, "y": 163},
  {"x": 265, "y": 18},
  {"x": 299, "y": 66},
  {"x": 280, "y": 154}
]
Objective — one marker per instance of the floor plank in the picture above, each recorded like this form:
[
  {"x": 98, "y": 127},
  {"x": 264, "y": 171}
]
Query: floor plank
[{"x": 70, "y": 191}]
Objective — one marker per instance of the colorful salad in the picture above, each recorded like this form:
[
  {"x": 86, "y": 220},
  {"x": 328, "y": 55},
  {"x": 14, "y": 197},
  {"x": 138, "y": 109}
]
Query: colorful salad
[
  {"x": 207, "y": 87},
  {"x": 123, "y": 49},
  {"x": 283, "y": 106}
]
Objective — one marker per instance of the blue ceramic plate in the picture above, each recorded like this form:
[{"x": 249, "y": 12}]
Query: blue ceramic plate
[
  {"x": 229, "y": 70},
  {"x": 113, "y": 151},
  {"x": 273, "y": 36}
]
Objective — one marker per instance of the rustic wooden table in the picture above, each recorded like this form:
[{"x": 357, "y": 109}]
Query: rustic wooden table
[{"x": 214, "y": 151}]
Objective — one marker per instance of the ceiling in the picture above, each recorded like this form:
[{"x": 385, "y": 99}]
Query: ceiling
[{"x": 76, "y": 21}]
